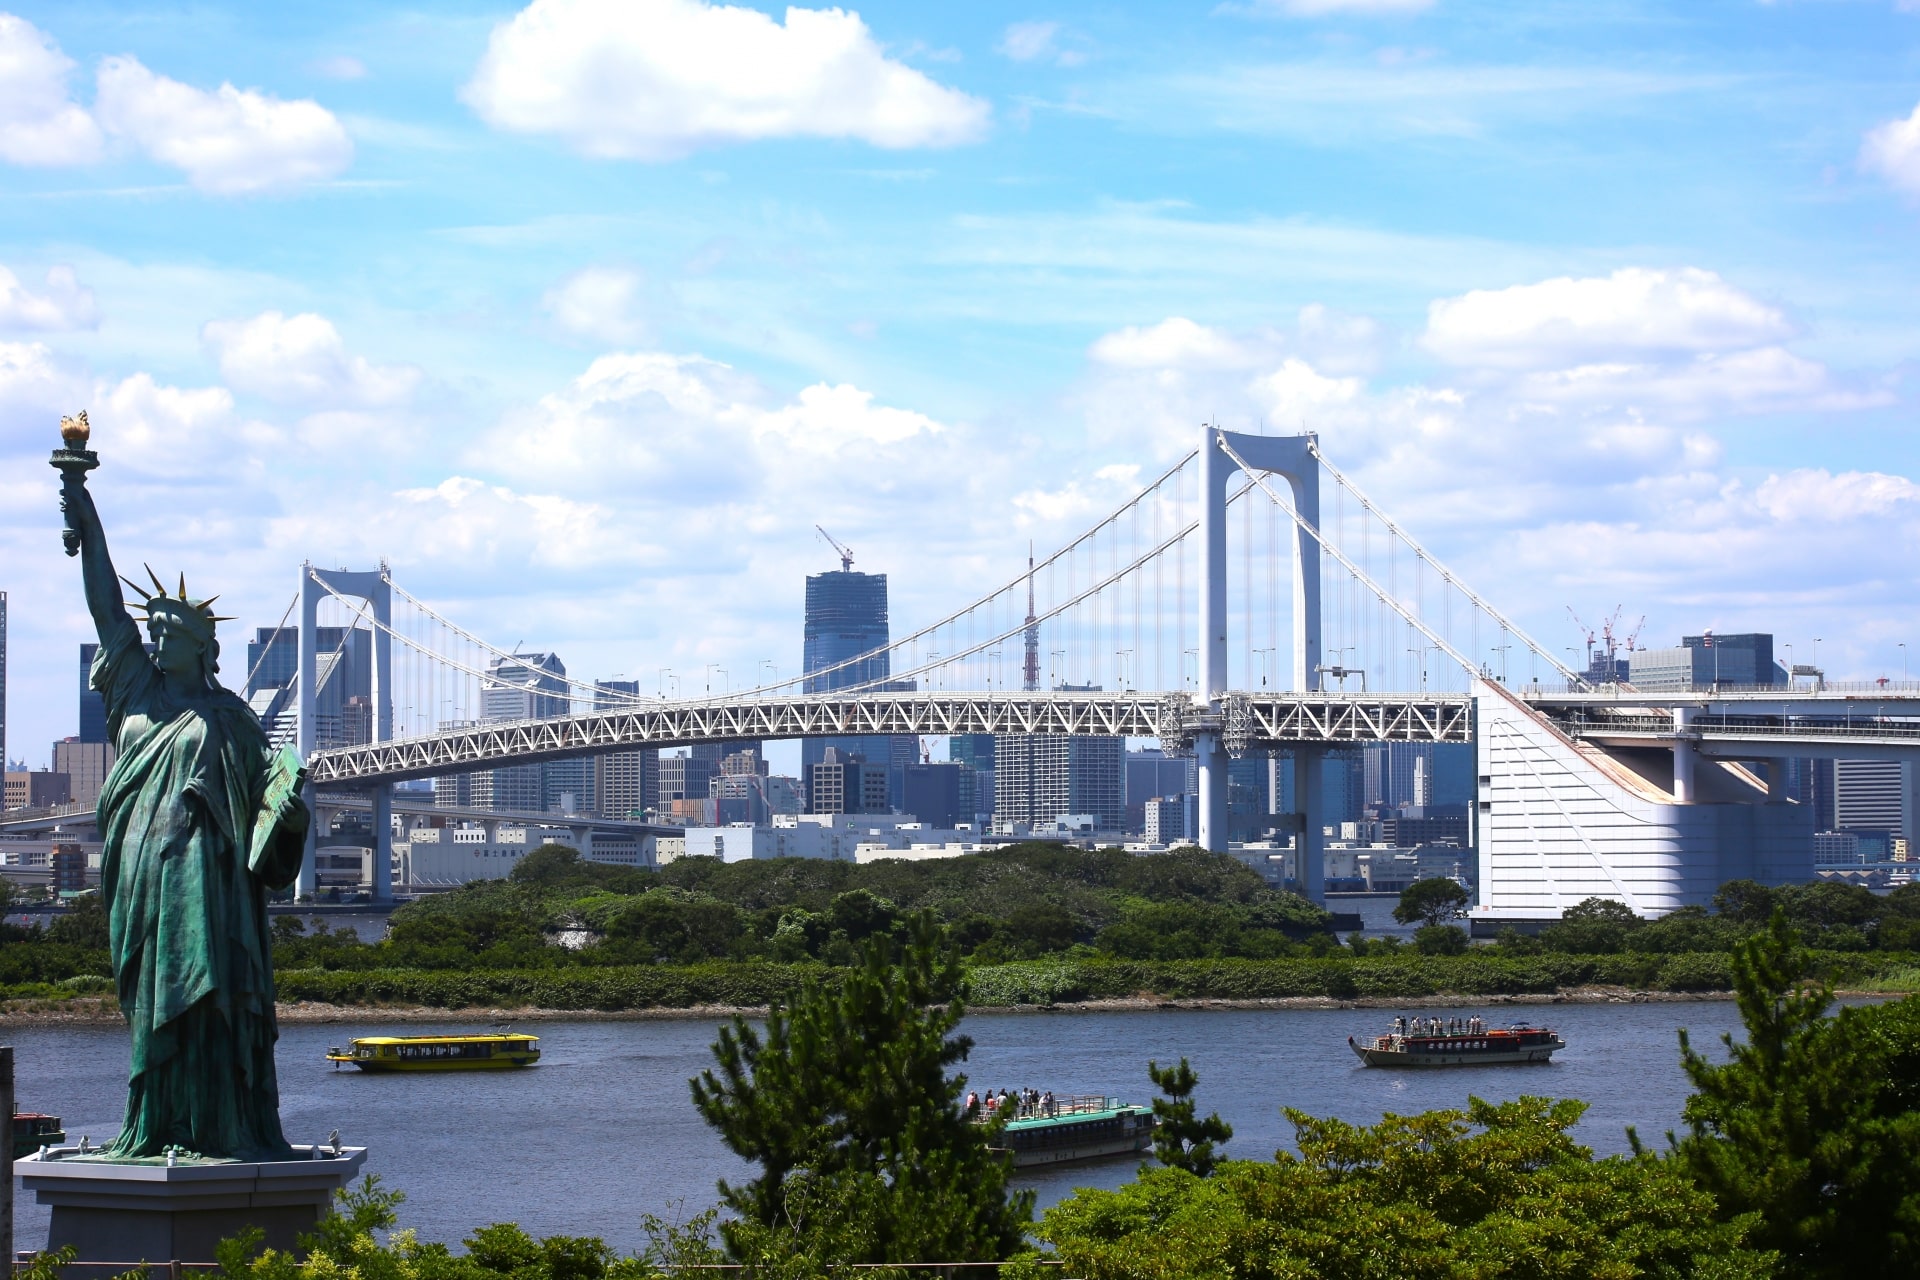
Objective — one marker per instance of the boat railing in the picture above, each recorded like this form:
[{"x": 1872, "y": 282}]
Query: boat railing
[{"x": 1078, "y": 1104}]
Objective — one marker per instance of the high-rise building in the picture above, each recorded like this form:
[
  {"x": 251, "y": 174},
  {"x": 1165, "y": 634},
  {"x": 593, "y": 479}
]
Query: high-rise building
[
  {"x": 343, "y": 683},
  {"x": 532, "y": 686},
  {"x": 845, "y": 782},
  {"x": 85, "y": 764},
  {"x": 1250, "y": 799},
  {"x": 626, "y": 783},
  {"x": 1432, "y": 775},
  {"x": 1164, "y": 820},
  {"x": 933, "y": 794},
  {"x": 1040, "y": 777},
  {"x": 846, "y": 623},
  {"x": 973, "y": 752},
  {"x": 34, "y": 789},
  {"x": 1154, "y": 775},
  {"x": 1705, "y": 660},
  {"x": 1875, "y": 795},
  {"x": 684, "y": 777}
]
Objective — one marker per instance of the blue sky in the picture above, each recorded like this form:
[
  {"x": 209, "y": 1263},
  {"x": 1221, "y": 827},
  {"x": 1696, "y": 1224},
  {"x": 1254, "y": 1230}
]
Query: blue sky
[{"x": 583, "y": 313}]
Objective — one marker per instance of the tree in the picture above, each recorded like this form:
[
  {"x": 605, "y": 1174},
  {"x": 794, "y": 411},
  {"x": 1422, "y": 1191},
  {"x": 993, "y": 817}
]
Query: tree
[
  {"x": 1440, "y": 940},
  {"x": 1436, "y": 900},
  {"x": 845, "y": 1103},
  {"x": 1810, "y": 1127},
  {"x": 1592, "y": 926},
  {"x": 1499, "y": 1190},
  {"x": 1180, "y": 1139}
]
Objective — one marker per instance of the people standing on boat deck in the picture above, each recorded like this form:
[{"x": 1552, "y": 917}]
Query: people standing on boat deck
[
  {"x": 973, "y": 1104},
  {"x": 1047, "y": 1104}
]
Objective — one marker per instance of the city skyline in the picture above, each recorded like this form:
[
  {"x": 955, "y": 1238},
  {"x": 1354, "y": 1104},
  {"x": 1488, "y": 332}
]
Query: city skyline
[{"x": 1609, "y": 306}]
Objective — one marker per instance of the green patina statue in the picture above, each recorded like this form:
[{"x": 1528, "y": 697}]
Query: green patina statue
[{"x": 199, "y": 818}]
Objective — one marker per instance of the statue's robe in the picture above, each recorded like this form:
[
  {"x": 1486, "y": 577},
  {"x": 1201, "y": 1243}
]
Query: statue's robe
[{"x": 189, "y": 857}]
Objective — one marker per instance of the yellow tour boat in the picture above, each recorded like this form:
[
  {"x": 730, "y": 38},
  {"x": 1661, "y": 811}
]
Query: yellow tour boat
[{"x": 491, "y": 1051}]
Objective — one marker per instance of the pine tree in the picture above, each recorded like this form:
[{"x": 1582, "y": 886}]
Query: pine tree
[
  {"x": 845, "y": 1103},
  {"x": 1180, "y": 1139},
  {"x": 1807, "y": 1127}
]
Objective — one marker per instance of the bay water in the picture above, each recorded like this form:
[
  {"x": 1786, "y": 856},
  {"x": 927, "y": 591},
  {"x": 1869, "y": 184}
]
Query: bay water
[{"x": 603, "y": 1131}]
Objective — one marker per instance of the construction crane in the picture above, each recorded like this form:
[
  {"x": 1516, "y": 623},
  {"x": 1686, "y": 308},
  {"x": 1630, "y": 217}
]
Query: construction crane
[
  {"x": 846, "y": 553},
  {"x": 1633, "y": 636},
  {"x": 1585, "y": 631}
]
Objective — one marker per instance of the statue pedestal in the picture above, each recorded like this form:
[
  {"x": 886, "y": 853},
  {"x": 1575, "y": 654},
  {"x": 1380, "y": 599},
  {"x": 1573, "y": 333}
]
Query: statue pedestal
[{"x": 148, "y": 1212}]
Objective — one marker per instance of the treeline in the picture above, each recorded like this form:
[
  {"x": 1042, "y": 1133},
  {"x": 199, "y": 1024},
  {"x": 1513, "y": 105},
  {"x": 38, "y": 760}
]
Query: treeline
[
  {"x": 1022, "y": 902},
  {"x": 1828, "y": 914},
  {"x": 1067, "y": 980}
]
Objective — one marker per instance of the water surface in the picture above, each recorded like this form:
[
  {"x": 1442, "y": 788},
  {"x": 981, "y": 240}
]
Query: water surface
[{"x": 602, "y": 1131}]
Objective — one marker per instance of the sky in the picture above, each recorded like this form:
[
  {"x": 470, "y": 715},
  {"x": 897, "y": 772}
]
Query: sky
[{"x": 583, "y": 314}]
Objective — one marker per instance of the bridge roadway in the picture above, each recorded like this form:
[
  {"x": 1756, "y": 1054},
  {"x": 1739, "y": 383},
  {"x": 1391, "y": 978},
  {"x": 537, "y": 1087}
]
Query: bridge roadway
[
  {"x": 1863, "y": 724},
  {"x": 1249, "y": 720}
]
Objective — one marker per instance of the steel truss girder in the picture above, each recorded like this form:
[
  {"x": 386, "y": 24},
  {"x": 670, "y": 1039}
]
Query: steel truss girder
[{"x": 1274, "y": 720}]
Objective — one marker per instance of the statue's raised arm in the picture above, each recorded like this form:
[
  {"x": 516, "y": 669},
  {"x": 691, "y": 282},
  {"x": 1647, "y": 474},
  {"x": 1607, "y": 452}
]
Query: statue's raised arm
[{"x": 85, "y": 537}]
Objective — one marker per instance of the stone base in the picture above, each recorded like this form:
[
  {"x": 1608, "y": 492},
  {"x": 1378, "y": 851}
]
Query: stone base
[{"x": 132, "y": 1213}]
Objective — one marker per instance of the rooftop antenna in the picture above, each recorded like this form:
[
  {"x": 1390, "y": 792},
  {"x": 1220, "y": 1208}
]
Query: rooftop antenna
[{"x": 846, "y": 553}]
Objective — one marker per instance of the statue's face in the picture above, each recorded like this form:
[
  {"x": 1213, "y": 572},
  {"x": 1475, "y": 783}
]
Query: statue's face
[{"x": 176, "y": 650}]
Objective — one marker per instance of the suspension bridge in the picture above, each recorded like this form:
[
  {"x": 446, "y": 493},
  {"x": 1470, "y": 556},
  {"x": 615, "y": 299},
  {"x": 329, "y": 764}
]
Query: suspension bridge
[{"x": 1250, "y": 598}]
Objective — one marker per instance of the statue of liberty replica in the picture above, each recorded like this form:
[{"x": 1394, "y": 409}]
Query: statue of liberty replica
[{"x": 199, "y": 819}]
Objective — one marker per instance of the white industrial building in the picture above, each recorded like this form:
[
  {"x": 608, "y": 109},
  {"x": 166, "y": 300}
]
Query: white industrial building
[{"x": 1658, "y": 829}]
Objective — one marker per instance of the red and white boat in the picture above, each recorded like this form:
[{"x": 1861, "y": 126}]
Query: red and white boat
[{"x": 1456, "y": 1042}]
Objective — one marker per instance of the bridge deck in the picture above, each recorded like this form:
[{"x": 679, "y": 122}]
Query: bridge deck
[{"x": 1259, "y": 720}]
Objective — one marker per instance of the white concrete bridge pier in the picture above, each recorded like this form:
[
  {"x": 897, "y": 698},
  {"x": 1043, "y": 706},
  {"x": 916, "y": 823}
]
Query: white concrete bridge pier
[
  {"x": 1294, "y": 458},
  {"x": 374, "y": 588}
]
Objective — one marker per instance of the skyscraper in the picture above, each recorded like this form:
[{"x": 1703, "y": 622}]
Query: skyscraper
[
  {"x": 93, "y": 706},
  {"x": 343, "y": 683},
  {"x": 974, "y": 751},
  {"x": 846, "y": 622},
  {"x": 531, "y": 686},
  {"x": 627, "y": 782},
  {"x": 1039, "y": 777}
]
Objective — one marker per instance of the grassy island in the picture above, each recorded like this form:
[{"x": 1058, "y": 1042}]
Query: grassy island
[{"x": 1034, "y": 925}]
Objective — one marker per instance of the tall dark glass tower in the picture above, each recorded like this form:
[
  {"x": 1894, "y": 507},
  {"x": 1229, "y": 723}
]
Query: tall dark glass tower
[{"x": 846, "y": 620}]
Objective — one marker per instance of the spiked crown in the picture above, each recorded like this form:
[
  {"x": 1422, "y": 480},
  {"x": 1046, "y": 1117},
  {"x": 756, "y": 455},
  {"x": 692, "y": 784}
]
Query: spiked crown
[{"x": 196, "y": 616}]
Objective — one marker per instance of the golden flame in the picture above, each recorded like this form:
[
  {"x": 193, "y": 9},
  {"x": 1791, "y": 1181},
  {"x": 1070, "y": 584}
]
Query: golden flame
[{"x": 75, "y": 430}]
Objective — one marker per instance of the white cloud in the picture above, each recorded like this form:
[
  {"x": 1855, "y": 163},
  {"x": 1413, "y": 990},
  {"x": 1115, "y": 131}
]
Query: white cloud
[
  {"x": 39, "y": 123},
  {"x": 228, "y": 142},
  {"x": 1298, "y": 393},
  {"x": 1819, "y": 495},
  {"x": 1029, "y": 41},
  {"x": 179, "y": 433},
  {"x": 462, "y": 518},
  {"x": 601, "y": 303},
  {"x": 658, "y": 79},
  {"x": 33, "y": 384},
  {"x": 301, "y": 360},
  {"x": 1636, "y": 311},
  {"x": 1174, "y": 342},
  {"x": 1759, "y": 379},
  {"x": 830, "y": 420},
  {"x": 1893, "y": 151},
  {"x": 66, "y": 304}
]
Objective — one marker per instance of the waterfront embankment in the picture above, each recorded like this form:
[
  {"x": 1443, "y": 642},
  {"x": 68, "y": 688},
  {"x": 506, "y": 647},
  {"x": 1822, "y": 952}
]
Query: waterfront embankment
[{"x": 1090, "y": 986}]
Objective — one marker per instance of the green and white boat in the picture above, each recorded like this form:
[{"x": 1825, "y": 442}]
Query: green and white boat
[{"x": 1084, "y": 1127}]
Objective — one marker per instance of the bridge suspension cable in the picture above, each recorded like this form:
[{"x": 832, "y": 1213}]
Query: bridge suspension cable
[
  {"x": 1446, "y": 575},
  {"x": 1387, "y": 597}
]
